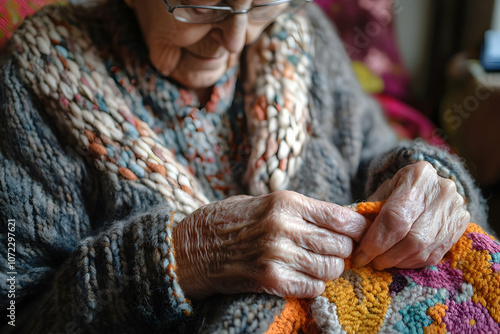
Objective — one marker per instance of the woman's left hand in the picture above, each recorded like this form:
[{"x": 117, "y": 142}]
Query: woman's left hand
[{"x": 422, "y": 218}]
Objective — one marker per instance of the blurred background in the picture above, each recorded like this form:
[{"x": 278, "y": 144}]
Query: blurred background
[
  {"x": 420, "y": 60},
  {"x": 440, "y": 44}
]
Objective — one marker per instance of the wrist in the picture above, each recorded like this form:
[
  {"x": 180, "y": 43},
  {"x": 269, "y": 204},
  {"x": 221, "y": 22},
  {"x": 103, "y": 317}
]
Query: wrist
[{"x": 191, "y": 281}]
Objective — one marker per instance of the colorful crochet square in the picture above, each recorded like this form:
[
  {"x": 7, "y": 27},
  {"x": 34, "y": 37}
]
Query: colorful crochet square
[
  {"x": 459, "y": 295},
  {"x": 13, "y": 12}
]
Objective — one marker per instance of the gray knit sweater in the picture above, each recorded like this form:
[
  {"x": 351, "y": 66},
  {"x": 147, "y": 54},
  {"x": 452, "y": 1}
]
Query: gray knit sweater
[{"x": 91, "y": 246}]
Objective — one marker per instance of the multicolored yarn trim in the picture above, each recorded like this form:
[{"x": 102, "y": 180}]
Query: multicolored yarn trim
[
  {"x": 459, "y": 295},
  {"x": 278, "y": 111}
]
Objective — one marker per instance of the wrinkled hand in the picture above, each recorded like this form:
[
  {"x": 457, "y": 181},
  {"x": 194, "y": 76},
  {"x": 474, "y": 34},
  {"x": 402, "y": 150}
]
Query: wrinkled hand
[
  {"x": 283, "y": 244},
  {"x": 423, "y": 217}
]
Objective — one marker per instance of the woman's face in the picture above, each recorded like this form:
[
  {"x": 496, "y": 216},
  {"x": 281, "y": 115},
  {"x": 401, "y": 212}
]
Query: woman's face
[{"x": 195, "y": 55}]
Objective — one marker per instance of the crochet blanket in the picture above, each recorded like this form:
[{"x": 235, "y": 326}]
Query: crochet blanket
[{"x": 459, "y": 295}]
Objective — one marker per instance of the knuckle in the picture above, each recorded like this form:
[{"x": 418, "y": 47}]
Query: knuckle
[
  {"x": 416, "y": 244},
  {"x": 273, "y": 225},
  {"x": 273, "y": 221},
  {"x": 281, "y": 197},
  {"x": 307, "y": 260},
  {"x": 273, "y": 249},
  {"x": 326, "y": 243},
  {"x": 419, "y": 168},
  {"x": 449, "y": 186},
  {"x": 318, "y": 266},
  {"x": 426, "y": 168}
]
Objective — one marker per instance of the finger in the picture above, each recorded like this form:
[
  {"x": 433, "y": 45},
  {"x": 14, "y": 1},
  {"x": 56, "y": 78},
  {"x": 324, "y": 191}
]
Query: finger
[
  {"x": 325, "y": 268},
  {"x": 321, "y": 241},
  {"x": 291, "y": 283},
  {"x": 334, "y": 217},
  {"x": 436, "y": 255},
  {"x": 391, "y": 226},
  {"x": 270, "y": 277},
  {"x": 401, "y": 256},
  {"x": 289, "y": 255},
  {"x": 433, "y": 259},
  {"x": 318, "y": 266},
  {"x": 323, "y": 214}
]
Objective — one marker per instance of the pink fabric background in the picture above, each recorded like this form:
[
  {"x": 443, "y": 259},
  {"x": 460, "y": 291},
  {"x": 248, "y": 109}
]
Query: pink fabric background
[
  {"x": 367, "y": 30},
  {"x": 12, "y": 13}
]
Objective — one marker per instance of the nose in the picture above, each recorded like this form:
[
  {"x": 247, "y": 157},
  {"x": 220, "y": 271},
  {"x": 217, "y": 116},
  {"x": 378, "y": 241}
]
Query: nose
[{"x": 231, "y": 33}]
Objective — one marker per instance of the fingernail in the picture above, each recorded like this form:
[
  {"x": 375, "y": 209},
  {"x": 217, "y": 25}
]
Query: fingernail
[{"x": 360, "y": 259}]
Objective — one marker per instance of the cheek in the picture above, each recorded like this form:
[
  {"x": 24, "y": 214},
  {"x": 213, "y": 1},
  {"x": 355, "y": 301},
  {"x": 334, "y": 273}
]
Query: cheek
[
  {"x": 255, "y": 30},
  {"x": 159, "y": 27},
  {"x": 165, "y": 43},
  {"x": 179, "y": 36}
]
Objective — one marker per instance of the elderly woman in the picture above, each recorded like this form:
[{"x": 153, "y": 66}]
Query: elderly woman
[{"x": 156, "y": 153}]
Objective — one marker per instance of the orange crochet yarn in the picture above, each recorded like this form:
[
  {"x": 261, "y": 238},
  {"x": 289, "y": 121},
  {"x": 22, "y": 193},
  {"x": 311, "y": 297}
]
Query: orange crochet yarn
[{"x": 369, "y": 209}]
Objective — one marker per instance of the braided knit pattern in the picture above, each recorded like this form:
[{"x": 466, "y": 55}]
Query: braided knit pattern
[
  {"x": 278, "y": 112},
  {"x": 459, "y": 295}
]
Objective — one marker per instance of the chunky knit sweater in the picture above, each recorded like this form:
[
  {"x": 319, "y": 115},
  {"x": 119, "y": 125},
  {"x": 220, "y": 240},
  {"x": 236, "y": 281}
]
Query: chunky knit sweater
[{"x": 100, "y": 156}]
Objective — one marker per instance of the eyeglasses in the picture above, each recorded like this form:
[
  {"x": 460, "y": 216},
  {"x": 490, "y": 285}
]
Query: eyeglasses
[{"x": 261, "y": 11}]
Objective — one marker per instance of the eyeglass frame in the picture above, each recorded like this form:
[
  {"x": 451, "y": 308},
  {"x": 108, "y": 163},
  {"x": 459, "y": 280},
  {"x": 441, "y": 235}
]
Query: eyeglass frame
[{"x": 231, "y": 11}]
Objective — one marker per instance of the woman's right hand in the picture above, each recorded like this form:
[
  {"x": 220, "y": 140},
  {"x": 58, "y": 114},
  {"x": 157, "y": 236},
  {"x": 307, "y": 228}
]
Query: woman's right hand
[{"x": 283, "y": 243}]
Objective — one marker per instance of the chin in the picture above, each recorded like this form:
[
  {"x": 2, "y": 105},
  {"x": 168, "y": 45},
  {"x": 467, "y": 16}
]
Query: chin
[{"x": 198, "y": 79}]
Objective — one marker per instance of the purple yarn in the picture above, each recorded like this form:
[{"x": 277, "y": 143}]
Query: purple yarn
[
  {"x": 442, "y": 277},
  {"x": 469, "y": 317},
  {"x": 483, "y": 242}
]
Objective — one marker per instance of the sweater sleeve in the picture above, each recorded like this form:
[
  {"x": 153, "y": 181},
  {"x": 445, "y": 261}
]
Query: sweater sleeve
[{"x": 75, "y": 270}]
